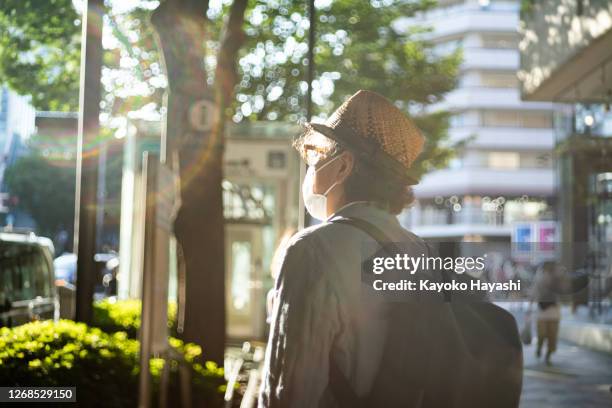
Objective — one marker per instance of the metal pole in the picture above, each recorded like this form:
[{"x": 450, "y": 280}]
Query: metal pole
[
  {"x": 303, "y": 216},
  {"x": 87, "y": 164},
  {"x": 101, "y": 194},
  {"x": 311, "y": 65},
  {"x": 149, "y": 181}
]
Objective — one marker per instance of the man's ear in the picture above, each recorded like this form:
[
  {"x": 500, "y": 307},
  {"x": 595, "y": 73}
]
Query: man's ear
[{"x": 347, "y": 163}]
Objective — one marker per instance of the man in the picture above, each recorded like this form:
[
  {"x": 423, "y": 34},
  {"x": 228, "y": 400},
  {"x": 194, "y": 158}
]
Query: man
[{"x": 358, "y": 167}]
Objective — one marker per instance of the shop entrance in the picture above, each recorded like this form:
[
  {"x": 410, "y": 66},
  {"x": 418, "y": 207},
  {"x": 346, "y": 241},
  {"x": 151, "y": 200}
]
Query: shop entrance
[
  {"x": 247, "y": 219},
  {"x": 244, "y": 282}
]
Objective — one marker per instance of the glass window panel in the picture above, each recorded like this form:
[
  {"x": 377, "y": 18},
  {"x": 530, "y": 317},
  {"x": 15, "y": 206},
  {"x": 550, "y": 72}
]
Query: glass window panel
[
  {"x": 20, "y": 261},
  {"x": 517, "y": 119},
  {"x": 241, "y": 275},
  {"x": 499, "y": 80},
  {"x": 500, "y": 118},
  {"x": 41, "y": 274},
  {"x": 504, "y": 160},
  {"x": 536, "y": 120},
  {"x": 500, "y": 41}
]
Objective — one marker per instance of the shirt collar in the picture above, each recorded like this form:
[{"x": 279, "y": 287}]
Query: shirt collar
[
  {"x": 362, "y": 209},
  {"x": 345, "y": 206}
]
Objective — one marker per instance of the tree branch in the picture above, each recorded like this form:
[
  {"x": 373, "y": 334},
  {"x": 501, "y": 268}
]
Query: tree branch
[
  {"x": 226, "y": 73},
  {"x": 180, "y": 28},
  {"x": 194, "y": 6}
]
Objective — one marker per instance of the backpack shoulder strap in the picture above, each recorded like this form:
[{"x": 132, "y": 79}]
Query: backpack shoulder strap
[
  {"x": 341, "y": 388},
  {"x": 376, "y": 233},
  {"x": 338, "y": 382},
  {"x": 372, "y": 230},
  {"x": 385, "y": 243}
]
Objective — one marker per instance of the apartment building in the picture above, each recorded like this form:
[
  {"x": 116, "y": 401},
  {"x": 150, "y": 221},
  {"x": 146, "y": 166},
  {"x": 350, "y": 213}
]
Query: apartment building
[
  {"x": 569, "y": 60},
  {"x": 16, "y": 125},
  {"x": 504, "y": 174}
]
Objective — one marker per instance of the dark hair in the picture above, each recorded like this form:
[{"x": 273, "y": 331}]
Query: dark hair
[{"x": 372, "y": 183}]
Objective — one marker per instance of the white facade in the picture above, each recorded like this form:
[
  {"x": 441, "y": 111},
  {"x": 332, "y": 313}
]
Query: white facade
[
  {"x": 505, "y": 172},
  {"x": 260, "y": 196},
  {"x": 17, "y": 118}
]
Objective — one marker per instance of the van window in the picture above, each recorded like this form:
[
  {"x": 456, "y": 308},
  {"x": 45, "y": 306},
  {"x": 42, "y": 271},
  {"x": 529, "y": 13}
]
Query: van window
[
  {"x": 6, "y": 280},
  {"x": 9, "y": 269},
  {"x": 42, "y": 278},
  {"x": 25, "y": 272},
  {"x": 23, "y": 277}
]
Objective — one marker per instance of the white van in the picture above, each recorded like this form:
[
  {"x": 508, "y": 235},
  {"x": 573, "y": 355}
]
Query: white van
[{"x": 27, "y": 280}]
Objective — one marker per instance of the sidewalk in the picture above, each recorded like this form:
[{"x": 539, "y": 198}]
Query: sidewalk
[
  {"x": 580, "y": 329},
  {"x": 577, "y": 328},
  {"x": 577, "y": 378}
]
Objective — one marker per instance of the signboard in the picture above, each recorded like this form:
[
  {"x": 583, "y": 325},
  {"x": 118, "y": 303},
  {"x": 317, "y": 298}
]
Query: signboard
[
  {"x": 534, "y": 241},
  {"x": 522, "y": 237},
  {"x": 202, "y": 115},
  {"x": 547, "y": 236},
  {"x": 166, "y": 198},
  {"x": 160, "y": 192}
]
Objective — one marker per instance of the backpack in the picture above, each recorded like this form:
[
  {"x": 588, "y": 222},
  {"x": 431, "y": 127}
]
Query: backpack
[{"x": 446, "y": 353}]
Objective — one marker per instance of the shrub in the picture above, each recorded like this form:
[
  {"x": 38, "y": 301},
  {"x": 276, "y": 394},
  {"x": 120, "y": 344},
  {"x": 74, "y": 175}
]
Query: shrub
[
  {"x": 104, "y": 367},
  {"x": 124, "y": 315}
]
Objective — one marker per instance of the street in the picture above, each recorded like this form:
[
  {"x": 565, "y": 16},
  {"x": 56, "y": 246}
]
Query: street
[{"x": 577, "y": 378}]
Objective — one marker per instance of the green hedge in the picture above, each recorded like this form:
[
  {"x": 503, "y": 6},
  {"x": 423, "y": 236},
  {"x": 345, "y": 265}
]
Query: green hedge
[
  {"x": 124, "y": 315},
  {"x": 104, "y": 367}
]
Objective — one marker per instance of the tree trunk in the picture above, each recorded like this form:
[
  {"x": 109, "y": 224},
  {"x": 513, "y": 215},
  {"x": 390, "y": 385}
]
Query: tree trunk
[
  {"x": 199, "y": 226},
  {"x": 87, "y": 164}
]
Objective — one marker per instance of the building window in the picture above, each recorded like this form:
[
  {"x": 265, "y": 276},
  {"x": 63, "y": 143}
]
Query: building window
[
  {"x": 516, "y": 119},
  {"x": 536, "y": 120},
  {"x": 249, "y": 204},
  {"x": 277, "y": 160},
  {"x": 500, "y": 41},
  {"x": 449, "y": 3},
  {"x": 456, "y": 120},
  {"x": 504, "y": 160},
  {"x": 544, "y": 160},
  {"x": 434, "y": 215},
  {"x": 517, "y": 210},
  {"x": 499, "y": 80},
  {"x": 500, "y": 118},
  {"x": 455, "y": 163},
  {"x": 447, "y": 47}
]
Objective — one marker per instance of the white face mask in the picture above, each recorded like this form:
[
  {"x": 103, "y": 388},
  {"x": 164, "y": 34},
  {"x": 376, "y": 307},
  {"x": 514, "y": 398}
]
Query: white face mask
[{"x": 316, "y": 204}]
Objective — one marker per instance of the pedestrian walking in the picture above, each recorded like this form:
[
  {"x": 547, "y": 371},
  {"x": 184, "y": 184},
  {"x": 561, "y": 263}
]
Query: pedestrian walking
[{"x": 547, "y": 285}]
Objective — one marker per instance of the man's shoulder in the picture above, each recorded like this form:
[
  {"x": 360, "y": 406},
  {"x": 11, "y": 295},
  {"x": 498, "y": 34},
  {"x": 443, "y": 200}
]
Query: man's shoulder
[
  {"x": 331, "y": 229},
  {"x": 305, "y": 254},
  {"x": 315, "y": 234},
  {"x": 339, "y": 234}
]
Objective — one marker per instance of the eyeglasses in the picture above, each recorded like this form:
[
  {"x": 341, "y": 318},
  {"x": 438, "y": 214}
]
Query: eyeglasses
[{"x": 313, "y": 155}]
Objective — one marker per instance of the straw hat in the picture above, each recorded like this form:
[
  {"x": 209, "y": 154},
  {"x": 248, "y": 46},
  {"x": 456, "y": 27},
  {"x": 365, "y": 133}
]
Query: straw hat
[{"x": 371, "y": 126}]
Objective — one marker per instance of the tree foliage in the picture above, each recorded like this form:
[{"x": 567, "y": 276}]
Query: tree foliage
[
  {"x": 40, "y": 56},
  {"x": 43, "y": 181},
  {"x": 39, "y": 51},
  {"x": 104, "y": 367},
  {"x": 132, "y": 77},
  {"x": 45, "y": 190},
  {"x": 358, "y": 46}
]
